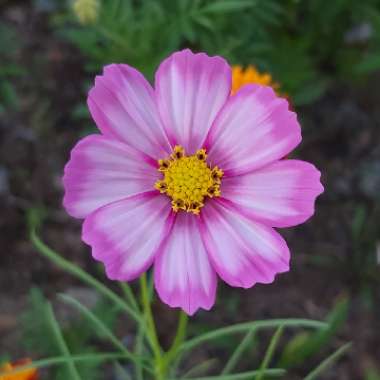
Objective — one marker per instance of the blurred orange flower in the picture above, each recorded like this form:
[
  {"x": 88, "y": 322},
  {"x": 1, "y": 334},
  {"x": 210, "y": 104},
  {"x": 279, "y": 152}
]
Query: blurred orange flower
[
  {"x": 250, "y": 75},
  {"x": 27, "y": 374}
]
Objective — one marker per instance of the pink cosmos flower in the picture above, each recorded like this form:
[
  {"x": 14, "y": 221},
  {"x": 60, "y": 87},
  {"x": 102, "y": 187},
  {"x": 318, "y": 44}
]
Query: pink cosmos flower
[{"x": 189, "y": 178}]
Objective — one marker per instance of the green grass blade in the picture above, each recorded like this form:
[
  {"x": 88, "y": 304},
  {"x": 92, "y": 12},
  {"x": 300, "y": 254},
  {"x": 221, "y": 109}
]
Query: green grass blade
[
  {"x": 58, "y": 360},
  {"x": 200, "y": 368},
  {"x": 79, "y": 273},
  {"x": 328, "y": 362},
  {"x": 151, "y": 332},
  {"x": 242, "y": 375},
  {"x": 235, "y": 357},
  {"x": 102, "y": 328},
  {"x": 269, "y": 353},
  {"x": 121, "y": 373},
  {"x": 243, "y": 327},
  {"x": 56, "y": 330},
  {"x": 304, "y": 346},
  {"x": 127, "y": 290},
  {"x": 138, "y": 351},
  {"x": 179, "y": 338}
]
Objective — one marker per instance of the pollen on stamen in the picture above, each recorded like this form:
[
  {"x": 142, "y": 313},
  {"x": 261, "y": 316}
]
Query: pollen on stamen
[{"x": 188, "y": 180}]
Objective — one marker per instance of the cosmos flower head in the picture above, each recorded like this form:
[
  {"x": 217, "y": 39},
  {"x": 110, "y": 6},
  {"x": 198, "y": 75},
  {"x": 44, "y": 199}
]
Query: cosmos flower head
[
  {"x": 27, "y": 374},
  {"x": 189, "y": 179},
  {"x": 250, "y": 75}
]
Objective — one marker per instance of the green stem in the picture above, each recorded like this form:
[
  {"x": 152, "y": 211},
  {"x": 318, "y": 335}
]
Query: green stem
[
  {"x": 103, "y": 329},
  {"x": 179, "y": 338},
  {"x": 151, "y": 329},
  {"x": 269, "y": 353},
  {"x": 240, "y": 349},
  {"x": 315, "y": 374},
  {"x": 81, "y": 274},
  {"x": 249, "y": 375},
  {"x": 56, "y": 330},
  {"x": 138, "y": 351},
  {"x": 125, "y": 287},
  {"x": 243, "y": 327}
]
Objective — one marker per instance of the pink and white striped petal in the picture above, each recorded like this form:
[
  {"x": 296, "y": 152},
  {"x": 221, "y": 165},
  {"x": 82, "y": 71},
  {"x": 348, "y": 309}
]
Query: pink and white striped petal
[
  {"x": 127, "y": 234},
  {"x": 190, "y": 91},
  {"x": 183, "y": 275},
  {"x": 254, "y": 128},
  {"x": 241, "y": 251},
  {"x": 281, "y": 194},
  {"x": 101, "y": 171},
  {"x": 123, "y": 107}
]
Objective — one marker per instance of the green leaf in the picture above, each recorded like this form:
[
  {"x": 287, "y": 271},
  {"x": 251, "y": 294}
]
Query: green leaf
[
  {"x": 240, "y": 349},
  {"x": 187, "y": 30},
  {"x": 225, "y": 6},
  {"x": 310, "y": 92},
  {"x": 100, "y": 327},
  {"x": 34, "y": 325},
  {"x": 57, "y": 333},
  {"x": 200, "y": 368},
  {"x": 372, "y": 374},
  {"x": 73, "y": 269},
  {"x": 243, "y": 327},
  {"x": 369, "y": 64},
  {"x": 304, "y": 346},
  {"x": 203, "y": 21},
  {"x": 290, "y": 354},
  {"x": 249, "y": 375},
  {"x": 121, "y": 373},
  {"x": 269, "y": 353},
  {"x": 328, "y": 362},
  {"x": 8, "y": 95},
  {"x": 127, "y": 290},
  {"x": 358, "y": 221},
  {"x": 80, "y": 112}
]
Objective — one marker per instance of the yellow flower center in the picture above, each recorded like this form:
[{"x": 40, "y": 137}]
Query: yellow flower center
[{"x": 188, "y": 180}]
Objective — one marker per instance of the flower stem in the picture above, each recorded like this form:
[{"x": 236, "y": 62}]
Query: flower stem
[
  {"x": 151, "y": 329},
  {"x": 179, "y": 338}
]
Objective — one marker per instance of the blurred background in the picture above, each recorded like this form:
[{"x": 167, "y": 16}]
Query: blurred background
[{"x": 324, "y": 56}]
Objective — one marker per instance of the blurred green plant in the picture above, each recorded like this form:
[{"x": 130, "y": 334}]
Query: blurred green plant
[
  {"x": 142, "y": 33},
  {"x": 306, "y": 45},
  {"x": 9, "y": 69},
  {"x": 79, "y": 336},
  {"x": 74, "y": 349},
  {"x": 362, "y": 259},
  {"x": 305, "y": 345},
  {"x": 372, "y": 374},
  {"x": 359, "y": 262}
]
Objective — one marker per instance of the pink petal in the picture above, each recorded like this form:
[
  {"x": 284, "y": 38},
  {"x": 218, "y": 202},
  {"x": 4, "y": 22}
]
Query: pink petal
[
  {"x": 191, "y": 89},
  {"x": 126, "y": 235},
  {"x": 281, "y": 194},
  {"x": 242, "y": 252},
  {"x": 254, "y": 128},
  {"x": 183, "y": 274},
  {"x": 101, "y": 171},
  {"x": 123, "y": 107}
]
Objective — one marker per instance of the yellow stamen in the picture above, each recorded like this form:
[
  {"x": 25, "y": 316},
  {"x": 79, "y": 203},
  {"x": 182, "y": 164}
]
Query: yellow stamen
[
  {"x": 188, "y": 180},
  {"x": 178, "y": 152}
]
